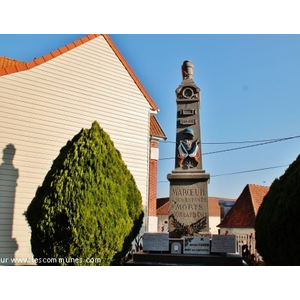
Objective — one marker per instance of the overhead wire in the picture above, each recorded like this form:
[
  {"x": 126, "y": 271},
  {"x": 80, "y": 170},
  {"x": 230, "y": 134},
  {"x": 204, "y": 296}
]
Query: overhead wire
[
  {"x": 240, "y": 172},
  {"x": 258, "y": 143},
  {"x": 224, "y": 143},
  {"x": 248, "y": 171}
]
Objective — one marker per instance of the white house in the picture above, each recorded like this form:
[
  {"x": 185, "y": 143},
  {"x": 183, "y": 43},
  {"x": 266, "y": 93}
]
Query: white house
[{"x": 44, "y": 103}]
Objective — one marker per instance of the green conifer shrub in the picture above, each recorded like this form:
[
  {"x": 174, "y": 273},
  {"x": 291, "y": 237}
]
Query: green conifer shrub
[
  {"x": 87, "y": 205},
  {"x": 277, "y": 227}
]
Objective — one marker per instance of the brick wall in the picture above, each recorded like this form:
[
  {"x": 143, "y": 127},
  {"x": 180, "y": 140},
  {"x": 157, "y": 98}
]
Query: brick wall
[{"x": 153, "y": 179}]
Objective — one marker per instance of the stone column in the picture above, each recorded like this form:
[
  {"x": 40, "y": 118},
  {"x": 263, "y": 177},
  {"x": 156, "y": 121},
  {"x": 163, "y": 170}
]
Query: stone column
[{"x": 188, "y": 199}]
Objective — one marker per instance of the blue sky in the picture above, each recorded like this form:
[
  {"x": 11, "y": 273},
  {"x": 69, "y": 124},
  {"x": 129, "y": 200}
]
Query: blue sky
[{"x": 249, "y": 96}]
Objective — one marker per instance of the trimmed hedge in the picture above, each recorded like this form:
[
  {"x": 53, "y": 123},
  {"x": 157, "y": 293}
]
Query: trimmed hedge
[
  {"x": 87, "y": 205},
  {"x": 277, "y": 221}
]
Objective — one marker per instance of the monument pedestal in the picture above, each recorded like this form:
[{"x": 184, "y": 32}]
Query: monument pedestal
[
  {"x": 188, "y": 203},
  {"x": 177, "y": 254},
  {"x": 167, "y": 259}
]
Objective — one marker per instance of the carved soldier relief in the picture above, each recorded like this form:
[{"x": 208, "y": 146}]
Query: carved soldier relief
[{"x": 188, "y": 150}]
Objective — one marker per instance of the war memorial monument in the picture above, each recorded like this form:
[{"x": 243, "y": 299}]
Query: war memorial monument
[
  {"x": 188, "y": 241},
  {"x": 188, "y": 181}
]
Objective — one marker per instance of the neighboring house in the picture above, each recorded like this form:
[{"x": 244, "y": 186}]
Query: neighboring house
[
  {"x": 156, "y": 134},
  {"x": 240, "y": 219},
  {"x": 47, "y": 101},
  {"x": 214, "y": 210}
]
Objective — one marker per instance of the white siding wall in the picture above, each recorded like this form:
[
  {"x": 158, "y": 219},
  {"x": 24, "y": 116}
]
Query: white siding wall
[{"x": 44, "y": 107}]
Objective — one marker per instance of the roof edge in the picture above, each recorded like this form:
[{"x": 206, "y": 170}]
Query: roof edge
[
  {"x": 66, "y": 48},
  {"x": 158, "y": 137},
  {"x": 47, "y": 57},
  {"x": 251, "y": 197},
  {"x": 156, "y": 131},
  {"x": 251, "y": 186},
  {"x": 130, "y": 71}
]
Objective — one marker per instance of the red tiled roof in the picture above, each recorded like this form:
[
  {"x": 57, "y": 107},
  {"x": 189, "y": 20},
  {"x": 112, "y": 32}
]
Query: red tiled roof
[
  {"x": 17, "y": 67},
  {"x": 258, "y": 193},
  {"x": 47, "y": 57},
  {"x": 162, "y": 206},
  {"x": 213, "y": 205},
  {"x": 6, "y": 62},
  {"x": 155, "y": 128},
  {"x": 243, "y": 212}
]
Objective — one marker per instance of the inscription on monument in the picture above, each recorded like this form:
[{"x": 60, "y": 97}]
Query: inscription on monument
[
  {"x": 187, "y": 111},
  {"x": 188, "y": 208},
  {"x": 196, "y": 245},
  {"x": 187, "y": 121},
  {"x": 223, "y": 244},
  {"x": 188, "y": 202},
  {"x": 156, "y": 242}
]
